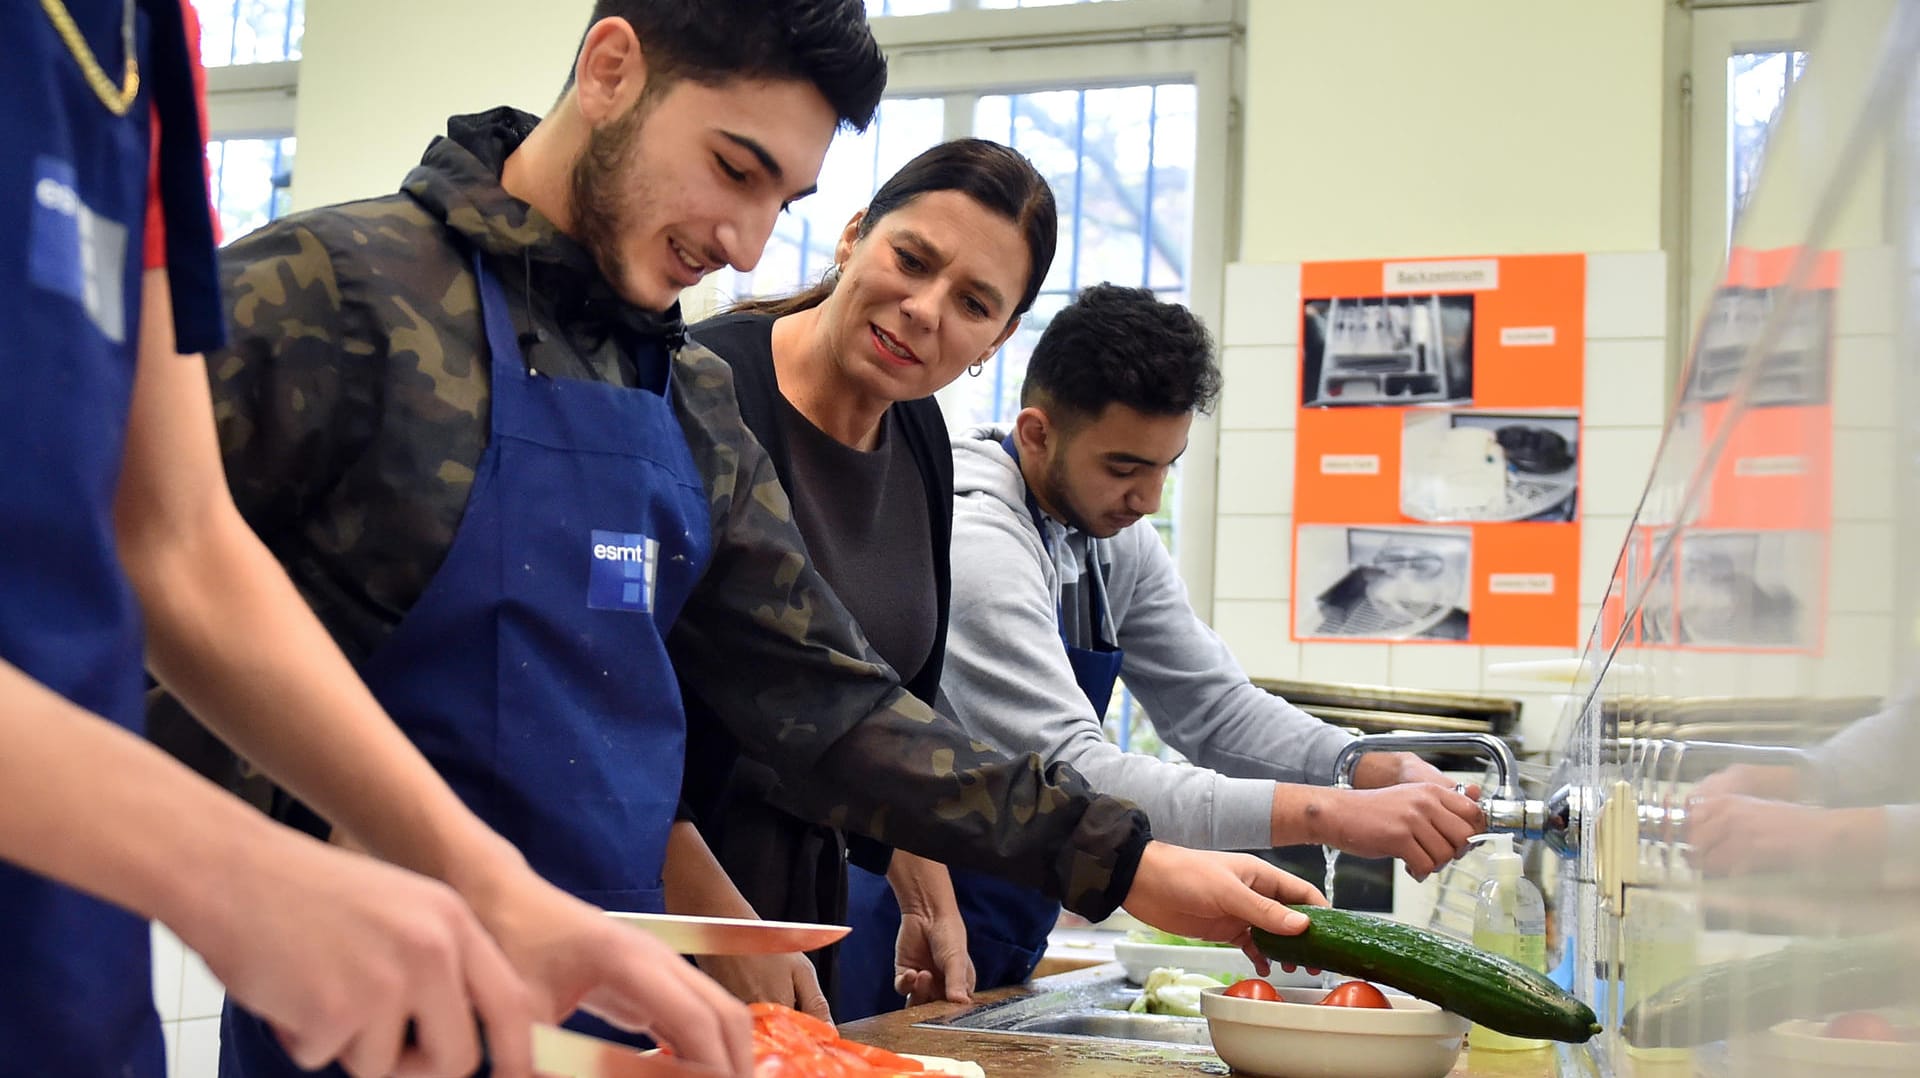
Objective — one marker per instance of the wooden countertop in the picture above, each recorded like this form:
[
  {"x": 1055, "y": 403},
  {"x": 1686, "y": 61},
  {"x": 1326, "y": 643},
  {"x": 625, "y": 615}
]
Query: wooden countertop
[{"x": 1004, "y": 1055}]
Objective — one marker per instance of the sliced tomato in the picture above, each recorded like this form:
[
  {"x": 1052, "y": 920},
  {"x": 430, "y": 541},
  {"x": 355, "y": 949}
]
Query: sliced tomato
[
  {"x": 891, "y": 1062},
  {"x": 1356, "y": 994},
  {"x": 1253, "y": 988}
]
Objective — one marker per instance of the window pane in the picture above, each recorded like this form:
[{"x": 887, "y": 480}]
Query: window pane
[
  {"x": 250, "y": 31},
  {"x": 907, "y": 7},
  {"x": 803, "y": 241},
  {"x": 1120, "y": 220},
  {"x": 251, "y": 180},
  {"x": 1756, "y": 84}
]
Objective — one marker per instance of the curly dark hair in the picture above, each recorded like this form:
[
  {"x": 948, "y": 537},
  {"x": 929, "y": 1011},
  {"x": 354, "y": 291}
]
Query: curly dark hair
[
  {"x": 826, "y": 42},
  {"x": 1116, "y": 345}
]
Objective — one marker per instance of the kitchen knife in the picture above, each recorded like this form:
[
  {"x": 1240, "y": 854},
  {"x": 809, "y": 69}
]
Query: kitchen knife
[
  {"x": 562, "y": 1053},
  {"x": 731, "y": 935}
]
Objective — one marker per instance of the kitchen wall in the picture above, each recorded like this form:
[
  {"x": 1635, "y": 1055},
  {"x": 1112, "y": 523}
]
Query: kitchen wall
[
  {"x": 379, "y": 79},
  {"x": 1498, "y": 127}
]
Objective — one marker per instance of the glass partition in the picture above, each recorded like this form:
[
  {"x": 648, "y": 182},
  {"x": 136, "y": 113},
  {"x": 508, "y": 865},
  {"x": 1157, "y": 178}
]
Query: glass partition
[{"x": 1739, "y": 771}]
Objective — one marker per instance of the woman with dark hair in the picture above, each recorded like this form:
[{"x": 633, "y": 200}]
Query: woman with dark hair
[{"x": 837, "y": 382}]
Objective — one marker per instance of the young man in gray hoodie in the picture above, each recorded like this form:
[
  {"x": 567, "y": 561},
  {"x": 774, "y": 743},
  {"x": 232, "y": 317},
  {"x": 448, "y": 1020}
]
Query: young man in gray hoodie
[{"x": 1061, "y": 583}]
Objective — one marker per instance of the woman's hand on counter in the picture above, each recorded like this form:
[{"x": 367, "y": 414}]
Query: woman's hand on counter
[
  {"x": 930, "y": 959},
  {"x": 1216, "y": 896},
  {"x": 787, "y": 979}
]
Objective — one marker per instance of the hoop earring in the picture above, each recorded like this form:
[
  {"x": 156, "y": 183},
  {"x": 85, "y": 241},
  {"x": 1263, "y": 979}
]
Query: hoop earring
[
  {"x": 978, "y": 366},
  {"x": 832, "y": 276}
]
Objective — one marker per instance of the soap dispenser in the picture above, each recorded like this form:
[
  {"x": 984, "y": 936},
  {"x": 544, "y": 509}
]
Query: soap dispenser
[{"x": 1510, "y": 919}]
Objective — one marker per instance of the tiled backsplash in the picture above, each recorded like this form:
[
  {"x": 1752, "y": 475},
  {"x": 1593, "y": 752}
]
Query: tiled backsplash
[
  {"x": 1626, "y": 401},
  {"x": 188, "y": 998}
]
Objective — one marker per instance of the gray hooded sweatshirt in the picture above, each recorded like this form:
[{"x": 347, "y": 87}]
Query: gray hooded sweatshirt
[{"x": 1008, "y": 681}]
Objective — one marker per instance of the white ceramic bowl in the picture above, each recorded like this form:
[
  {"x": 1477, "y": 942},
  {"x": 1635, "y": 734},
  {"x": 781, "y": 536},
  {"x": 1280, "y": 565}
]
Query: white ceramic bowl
[
  {"x": 1801, "y": 1049},
  {"x": 1297, "y": 1038},
  {"x": 1140, "y": 959}
]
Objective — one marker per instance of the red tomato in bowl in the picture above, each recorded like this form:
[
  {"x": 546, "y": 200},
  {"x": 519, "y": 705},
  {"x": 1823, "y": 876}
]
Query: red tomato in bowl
[
  {"x": 1253, "y": 988},
  {"x": 1356, "y": 994},
  {"x": 1861, "y": 1026}
]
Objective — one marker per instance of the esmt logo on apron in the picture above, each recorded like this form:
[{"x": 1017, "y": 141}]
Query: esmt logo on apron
[{"x": 625, "y": 565}]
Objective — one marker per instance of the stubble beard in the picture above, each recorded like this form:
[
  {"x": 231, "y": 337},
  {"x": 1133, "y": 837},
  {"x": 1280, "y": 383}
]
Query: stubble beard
[{"x": 607, "y": 191}]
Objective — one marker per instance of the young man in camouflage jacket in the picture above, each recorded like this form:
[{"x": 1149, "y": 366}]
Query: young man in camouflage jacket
[{"x": 354, "y": 407}]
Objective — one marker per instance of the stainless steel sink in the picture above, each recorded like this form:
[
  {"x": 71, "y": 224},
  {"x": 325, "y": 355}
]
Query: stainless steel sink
[{"x": 1095, "y": 1010}]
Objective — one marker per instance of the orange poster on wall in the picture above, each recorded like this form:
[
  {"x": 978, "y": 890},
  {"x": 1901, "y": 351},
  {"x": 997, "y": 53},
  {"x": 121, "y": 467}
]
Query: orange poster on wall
[
  {"x": 1437, "y": 475},
  {"x": 1730, "y": 551}
]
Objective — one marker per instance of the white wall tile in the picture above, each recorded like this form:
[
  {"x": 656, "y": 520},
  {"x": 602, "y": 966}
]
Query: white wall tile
[
  {"x": 1539, "y": 719},
  {"x": 1867, "y": 300},
  {"x": 1262, "y": 303},
  {"x": 1863, "y": 384},
  {"x": 1434, "y": 666},
  {"x": 1346, "y": 664},
  {"x": 199, "y": 1049},
  {"x": 1256, "y": 472},
  {"x": 169, "y": 960},
  {"x": 1626, "y": 383},
  {"x": 170, "y": 1033},
  {"x": 1627, "y": 295},
  {"x": 1862, "y": 568},
  {"x": 1858, "y": 657},
  {"x": 1614, "y": 468},
  {"x": 200, "y": 991},
  {"x": 1262, "y": 389},
  {"x": 1256, "y": 633},
  {"x": 1600, "y": 541},
  {"x": 1511, "y": 685},
  {"x": 1863, "y": 475},
  {"x": 1253, "y": 557}
]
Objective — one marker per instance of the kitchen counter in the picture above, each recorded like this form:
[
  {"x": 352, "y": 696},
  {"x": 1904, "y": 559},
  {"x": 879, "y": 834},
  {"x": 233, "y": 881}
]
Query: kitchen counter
[{"x": 1005, "y": 1055}]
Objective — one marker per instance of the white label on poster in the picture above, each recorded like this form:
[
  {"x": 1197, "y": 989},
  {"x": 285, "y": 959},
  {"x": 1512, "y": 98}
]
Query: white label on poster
[
  {"x": 1526, "y": 336},
  {"x": 1763, "y": 467},
  {"x": 1349, "y": 464},
  {"x": 1472, "y": 275},
  {"x": 1520, "y": 583}
]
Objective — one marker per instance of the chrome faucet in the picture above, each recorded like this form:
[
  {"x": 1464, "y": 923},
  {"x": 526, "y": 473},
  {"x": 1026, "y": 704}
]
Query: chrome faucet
[
  {"x": 1503, "y": 805},
  {"x": 1557, "y": 820}
]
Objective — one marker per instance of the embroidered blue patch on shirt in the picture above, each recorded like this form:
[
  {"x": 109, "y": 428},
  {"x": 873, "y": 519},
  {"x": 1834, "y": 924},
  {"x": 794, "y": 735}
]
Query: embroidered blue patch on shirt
[
  {"x": 625, "y": 566},
  {"x": 74, "y": 252}
]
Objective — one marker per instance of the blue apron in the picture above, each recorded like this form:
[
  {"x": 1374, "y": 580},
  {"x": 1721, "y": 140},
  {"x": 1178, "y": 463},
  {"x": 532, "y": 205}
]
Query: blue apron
[
  {"x": 1007, "y": 924},
  {"x": 533, "y": 671},
  {"x": 76, "y": 994}
]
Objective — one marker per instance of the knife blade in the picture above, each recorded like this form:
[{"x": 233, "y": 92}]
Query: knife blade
[
  {"x": 562, "y": 1053},
  {"x": 731, "y": 935}
]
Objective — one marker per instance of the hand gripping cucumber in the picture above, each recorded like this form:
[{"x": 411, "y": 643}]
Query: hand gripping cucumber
[{"x": 1496, "y": 992}]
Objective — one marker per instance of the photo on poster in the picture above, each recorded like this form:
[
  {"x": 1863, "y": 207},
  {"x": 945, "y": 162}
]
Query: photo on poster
[
  {"x": 1412, "y": 583},
  {"x": 1387, "y": 350},
  {"x": 1656, "y": 609},
  {"x": 1490, "y": 466},
  {"x": 1748, "y": 588},
  {"x": 1796, "y": 366}
]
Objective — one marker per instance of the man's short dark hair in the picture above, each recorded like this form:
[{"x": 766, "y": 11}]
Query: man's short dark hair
[
  {"x": 1118, "y": 345},
  {"x": 825, "y": 42}
]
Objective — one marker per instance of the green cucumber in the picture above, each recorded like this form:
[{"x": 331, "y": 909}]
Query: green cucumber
[
  {"x": 1806, "y": 979},
  {"x": 1496, "y": 992}
]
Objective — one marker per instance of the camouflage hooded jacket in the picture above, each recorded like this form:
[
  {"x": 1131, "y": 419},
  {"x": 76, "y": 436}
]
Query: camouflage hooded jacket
[{"x": 353, "y": 409}]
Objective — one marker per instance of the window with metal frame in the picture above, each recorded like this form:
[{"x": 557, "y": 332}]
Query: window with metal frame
[{"x": 252, "y": 50}]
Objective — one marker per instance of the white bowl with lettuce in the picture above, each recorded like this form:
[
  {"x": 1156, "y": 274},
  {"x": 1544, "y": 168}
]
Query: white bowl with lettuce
[{"x": 1144, "y": 950}]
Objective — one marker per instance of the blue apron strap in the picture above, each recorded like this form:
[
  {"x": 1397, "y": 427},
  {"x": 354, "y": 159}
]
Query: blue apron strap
[{"x": 1095, "y": 669}]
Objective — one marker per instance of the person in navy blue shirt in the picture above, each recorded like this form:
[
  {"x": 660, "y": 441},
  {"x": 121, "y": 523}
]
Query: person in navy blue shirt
[{"x": 118, "y": 542}]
